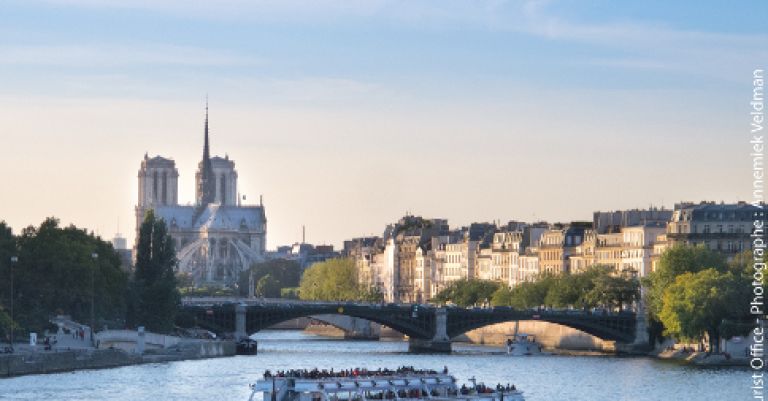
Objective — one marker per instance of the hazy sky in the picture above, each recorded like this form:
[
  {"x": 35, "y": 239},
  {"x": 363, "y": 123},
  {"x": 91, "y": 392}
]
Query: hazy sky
[{"x": 347, "y": 114}]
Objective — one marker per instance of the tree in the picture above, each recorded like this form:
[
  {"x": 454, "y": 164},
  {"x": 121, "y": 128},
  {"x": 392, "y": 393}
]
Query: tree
[
  {"x": 675, "y": 261},
  {"x": 502, "y": 296},
  {"x": 154, "y": 296},
  {"x": 332, "y": 280},
  {"x": 7, "y": 250},
  {"x": 566, "y": 290},
  {"x": 595, "y": 286},
  {"x": 467, "y": 292},
  {"x": 698, "y": 303},
  {"x": 612, "y": 292},
  {"x": 285, "y": 273},
  {"x": 56, "y": 274},
  {"x": 268, "y": 287}
]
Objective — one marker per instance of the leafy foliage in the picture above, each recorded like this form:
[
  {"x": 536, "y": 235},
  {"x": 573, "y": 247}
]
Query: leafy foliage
[
  {"x": 334, "y": 280},
  {"x": 467, "y": 292},
  {"x": 596, "y": 286},
  {"x": 268, "y": 287},
  {"x": 154, "y": 297},
  {"x": 283, "y": 274},
  {"x": 56, "y": 273},
  {"x": 289, "y": 293},
  {"x": 674, "y": 262},
  {"x": 699, "y": 302}
]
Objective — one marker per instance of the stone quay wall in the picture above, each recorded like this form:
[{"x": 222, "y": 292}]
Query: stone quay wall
[{"x": 41, "y": 362}]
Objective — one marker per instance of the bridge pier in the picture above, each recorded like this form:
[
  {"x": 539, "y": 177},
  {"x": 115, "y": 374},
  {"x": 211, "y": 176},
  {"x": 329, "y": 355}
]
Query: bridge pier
[
  {"x": 362, "y": 330},
  {"x": 440, "y": 343},
  {"x": 240, "y": 332},
  {"x": 641, "y": 344}
]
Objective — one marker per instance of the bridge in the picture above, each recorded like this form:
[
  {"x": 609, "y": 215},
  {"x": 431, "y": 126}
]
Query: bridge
[{"x": 429, "y": 328}]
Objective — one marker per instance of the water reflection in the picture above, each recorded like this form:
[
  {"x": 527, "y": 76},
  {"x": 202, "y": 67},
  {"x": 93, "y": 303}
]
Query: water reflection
[{"x": 541, "y": 377}]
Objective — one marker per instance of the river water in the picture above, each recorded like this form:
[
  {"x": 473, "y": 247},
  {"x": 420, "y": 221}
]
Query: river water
[{"x": 547, "y": 377}]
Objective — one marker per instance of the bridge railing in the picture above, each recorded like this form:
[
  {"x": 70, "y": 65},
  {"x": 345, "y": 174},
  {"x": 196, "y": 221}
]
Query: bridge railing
[{"x": 276, "y": 301}]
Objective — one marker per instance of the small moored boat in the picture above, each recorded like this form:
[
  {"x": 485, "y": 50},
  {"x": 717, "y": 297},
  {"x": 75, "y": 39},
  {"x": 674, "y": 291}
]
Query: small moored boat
[{"x": 523, "y": 344}]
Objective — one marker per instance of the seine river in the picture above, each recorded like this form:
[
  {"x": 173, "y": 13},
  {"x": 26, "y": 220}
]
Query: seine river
[{"x": 541, "y": 377}]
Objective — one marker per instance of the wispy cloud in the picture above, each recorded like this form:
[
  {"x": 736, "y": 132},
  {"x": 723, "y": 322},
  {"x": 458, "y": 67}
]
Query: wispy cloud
[
  {"x": 658, "y": 44},
  {"x": 118, "y": 55}
]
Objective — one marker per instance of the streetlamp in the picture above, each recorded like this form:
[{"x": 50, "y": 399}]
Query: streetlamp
[
  {"x": 95, "y": 257},
  {"x": 14, "y": 260}
]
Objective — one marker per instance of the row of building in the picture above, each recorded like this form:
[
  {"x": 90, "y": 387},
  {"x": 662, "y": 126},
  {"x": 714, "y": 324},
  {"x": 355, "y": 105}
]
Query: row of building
[{"x": 416, "y": 258}]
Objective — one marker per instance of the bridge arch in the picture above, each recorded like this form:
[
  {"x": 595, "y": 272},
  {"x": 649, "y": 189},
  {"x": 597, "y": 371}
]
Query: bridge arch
[
  {"x": 222, "y": 318},
  {"x": 353, "y": 327},
  {"x": 418, "y": 322},
  {"x": 619, "y": 327}
]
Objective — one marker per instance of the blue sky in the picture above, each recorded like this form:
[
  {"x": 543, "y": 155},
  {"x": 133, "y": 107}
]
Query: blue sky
[{"x": 468, "y": 110}]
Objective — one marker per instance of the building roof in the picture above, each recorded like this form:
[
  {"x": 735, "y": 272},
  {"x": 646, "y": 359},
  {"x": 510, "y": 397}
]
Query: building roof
[{"x": 213, "y": 217}]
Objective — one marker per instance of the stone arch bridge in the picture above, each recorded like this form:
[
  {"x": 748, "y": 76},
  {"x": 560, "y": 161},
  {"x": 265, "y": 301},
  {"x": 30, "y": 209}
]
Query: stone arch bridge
[{"x": 429, "y": 328}]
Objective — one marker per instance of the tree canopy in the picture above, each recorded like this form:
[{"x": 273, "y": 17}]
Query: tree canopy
[
  {"x": 597, "y": 286},
  {"x": 282, "y": 274},
  {"x": 674, "y": 262},
  {"x": 467, "y": 292},
  {"x": 155, "y": 297},
  {"x": 334, "y": 280},
  {"x": 697, "y": 303},
  {"x": 57, "y": 274}
]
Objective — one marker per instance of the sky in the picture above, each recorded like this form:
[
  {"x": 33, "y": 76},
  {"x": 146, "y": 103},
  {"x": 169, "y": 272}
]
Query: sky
[{"x": 345, "y": 115}]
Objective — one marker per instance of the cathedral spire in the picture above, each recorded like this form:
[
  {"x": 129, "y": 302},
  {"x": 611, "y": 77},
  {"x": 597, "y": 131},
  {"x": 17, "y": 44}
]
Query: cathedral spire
[
  {"x": 206, "y": 149},
  {"x": 206, "y": 184}
]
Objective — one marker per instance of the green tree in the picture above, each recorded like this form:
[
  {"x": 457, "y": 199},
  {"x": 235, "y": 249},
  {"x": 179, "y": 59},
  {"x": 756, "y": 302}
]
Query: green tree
[
  {"x": 567, "y": 290},
  {"x": 698, "y": 303},
  {"x": 7, "y": 250},
  {"x": 612, "y": 292},
  {"x": 154, "y": 295},
  {"x": 675, "y": 261},
  {"x": 289, "y": 293},
  {"x": 56, "y": 274},
  {"x": 286, "y": 273},
  {"x": 502, "y": 296},
  {"x": 268, "y": 287},
  {"x": 532, "y": 294},
  {"x": 467, "y": 292},
  {"x": 332, "y": 280}
]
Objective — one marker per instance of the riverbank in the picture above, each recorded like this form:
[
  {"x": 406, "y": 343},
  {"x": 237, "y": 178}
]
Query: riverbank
[
  {"x": 41, "y": 362},
  {"x": 702, "y": 359}
]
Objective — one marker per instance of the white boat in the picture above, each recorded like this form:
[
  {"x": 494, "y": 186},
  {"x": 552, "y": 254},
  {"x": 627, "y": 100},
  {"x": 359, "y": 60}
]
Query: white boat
[
  {"x": 402, "y": 384},
  {"x": 523, "y": 344}
]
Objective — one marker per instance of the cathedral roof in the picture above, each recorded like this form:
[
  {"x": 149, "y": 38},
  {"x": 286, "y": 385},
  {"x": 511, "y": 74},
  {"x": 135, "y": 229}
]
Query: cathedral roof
[{"x": 213, "y": 217}]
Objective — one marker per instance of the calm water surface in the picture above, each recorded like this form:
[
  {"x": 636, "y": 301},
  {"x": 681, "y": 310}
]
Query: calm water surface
[{"x": 540, "y": 377}]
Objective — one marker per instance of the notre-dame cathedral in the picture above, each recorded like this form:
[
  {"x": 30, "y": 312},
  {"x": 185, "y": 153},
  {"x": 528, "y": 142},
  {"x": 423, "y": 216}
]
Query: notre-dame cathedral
[{"x": 216, "y": 238}]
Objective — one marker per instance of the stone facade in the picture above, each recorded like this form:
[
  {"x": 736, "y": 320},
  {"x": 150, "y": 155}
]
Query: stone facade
[
  {"x": 217, "y": 237},
  {"x": 411, "y": 263},
  {"x": 723, "y": 228}
]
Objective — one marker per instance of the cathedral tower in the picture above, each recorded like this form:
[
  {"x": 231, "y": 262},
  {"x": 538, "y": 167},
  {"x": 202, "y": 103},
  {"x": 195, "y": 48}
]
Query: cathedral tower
[{"x": 158, "y": 182}]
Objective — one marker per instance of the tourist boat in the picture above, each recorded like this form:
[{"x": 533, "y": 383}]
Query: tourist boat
[
  {"x": 401, "y": 384},
  {"x": 523, "y": 344}
]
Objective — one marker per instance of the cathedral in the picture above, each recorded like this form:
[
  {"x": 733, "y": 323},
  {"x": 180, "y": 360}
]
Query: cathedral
[{"x": 217, "y": 237}]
